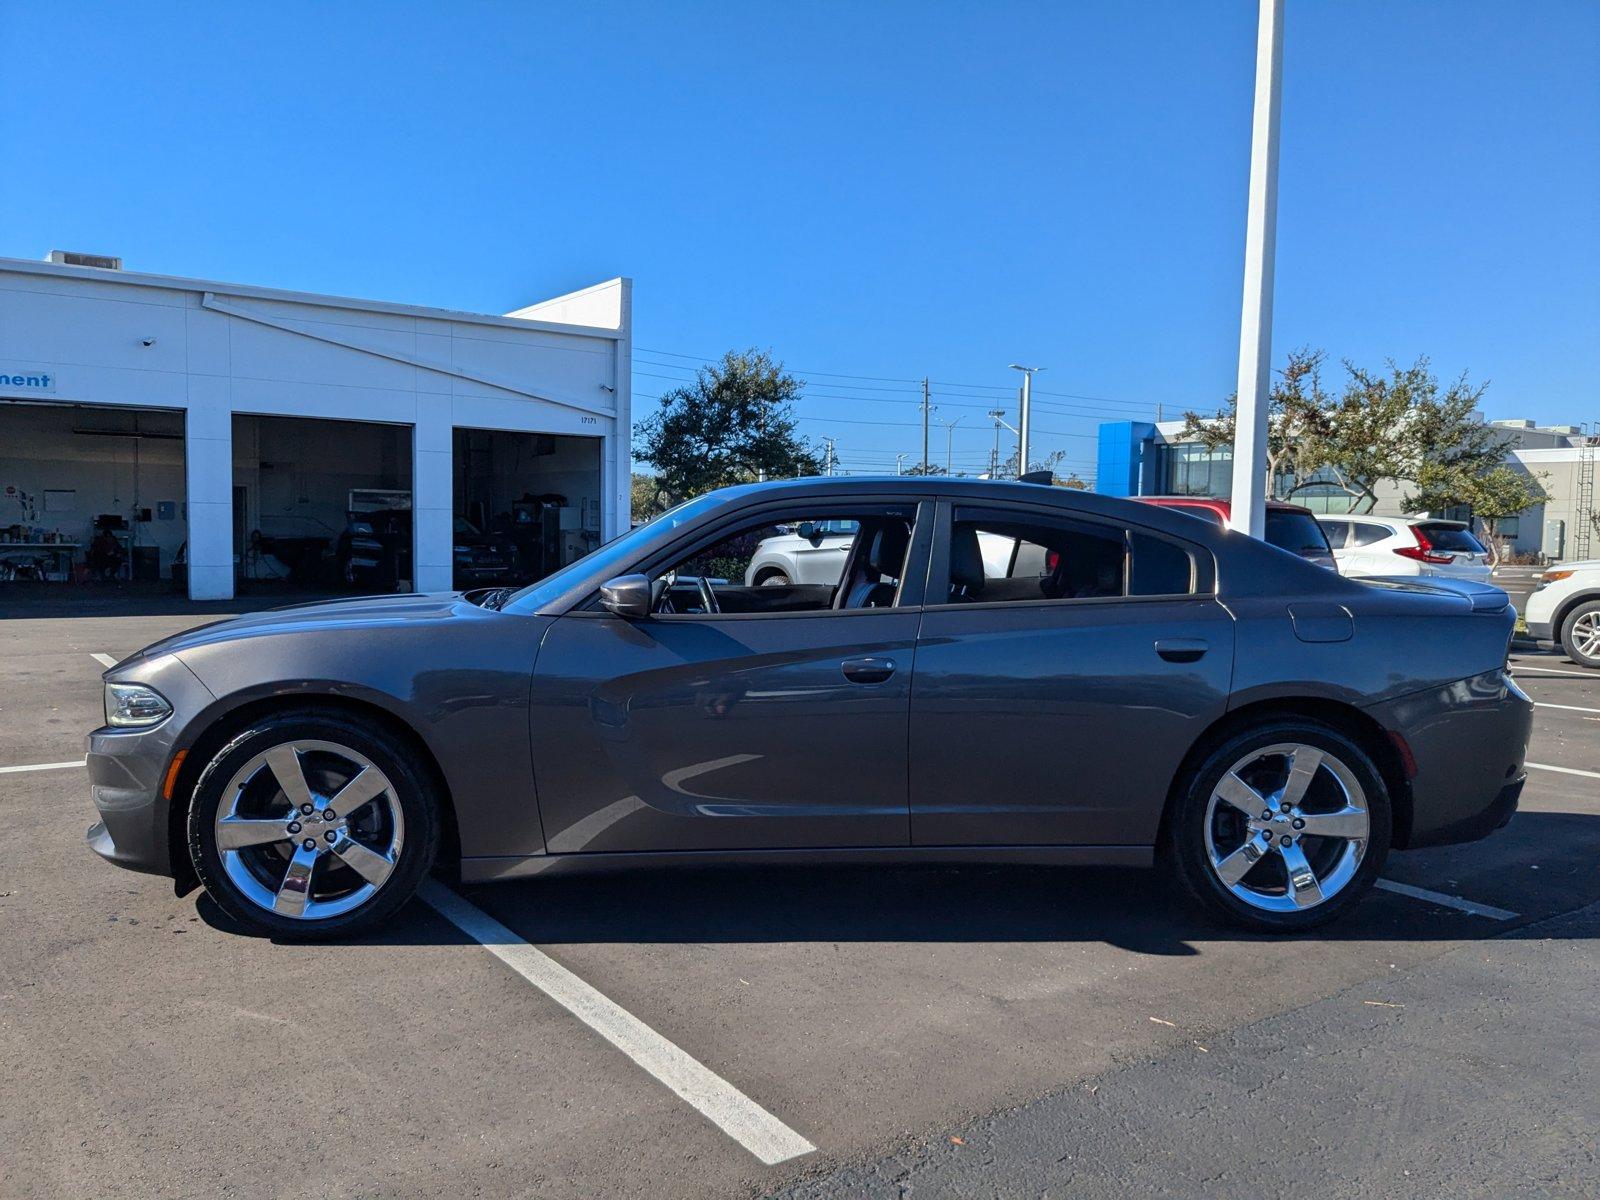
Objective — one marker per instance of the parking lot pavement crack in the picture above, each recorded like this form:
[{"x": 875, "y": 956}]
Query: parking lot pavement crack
[{"x": 1449, "y": 1097}]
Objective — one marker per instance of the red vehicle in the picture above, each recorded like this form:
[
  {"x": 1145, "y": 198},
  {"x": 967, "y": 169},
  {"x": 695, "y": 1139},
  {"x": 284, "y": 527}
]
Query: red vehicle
[{"x": 1289, "y": 527}]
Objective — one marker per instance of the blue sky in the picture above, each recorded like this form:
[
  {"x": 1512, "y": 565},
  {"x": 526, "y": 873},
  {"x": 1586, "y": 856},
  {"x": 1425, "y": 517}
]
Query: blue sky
[{"x": 878, "y": 191}]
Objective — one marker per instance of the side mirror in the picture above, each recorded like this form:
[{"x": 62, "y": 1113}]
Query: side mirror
[
  {"x": 811, "y": 531},
  {"x": 628, "y": 596}
]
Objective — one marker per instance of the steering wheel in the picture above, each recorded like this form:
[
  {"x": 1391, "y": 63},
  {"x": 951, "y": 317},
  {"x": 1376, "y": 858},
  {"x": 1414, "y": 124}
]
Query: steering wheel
[{"x": 708, "y": 598}]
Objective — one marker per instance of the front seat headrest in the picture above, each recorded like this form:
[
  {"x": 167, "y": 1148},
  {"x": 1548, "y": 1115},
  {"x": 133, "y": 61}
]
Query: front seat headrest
[
  {"x": 966, "y": 559},
  {"x": 888, "y": 553}
]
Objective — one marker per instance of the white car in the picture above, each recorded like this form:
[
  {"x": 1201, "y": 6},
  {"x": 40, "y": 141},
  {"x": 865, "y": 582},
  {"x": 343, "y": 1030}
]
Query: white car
[
  {"x": 1368, "y": 545},
  {"x": 1564, "y": 610},
  {"x": 815, "y": 552}
]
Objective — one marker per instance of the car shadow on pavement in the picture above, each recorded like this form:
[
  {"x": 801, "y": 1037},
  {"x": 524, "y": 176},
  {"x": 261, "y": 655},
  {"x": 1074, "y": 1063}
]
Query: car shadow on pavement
[{"x": 1137, "y": 910}]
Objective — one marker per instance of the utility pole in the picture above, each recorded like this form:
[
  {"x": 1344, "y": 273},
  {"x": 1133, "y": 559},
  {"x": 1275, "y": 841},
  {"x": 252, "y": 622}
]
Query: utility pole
[
  {"x": 828, "y": 444},
  {"x": 1025, "y": 420},
  {"x": 1249, "y": 508},
  {"x": 927, "y": 410},
  {"x": 900, "y": 463},
  {"x": 1000, "y": 422}
]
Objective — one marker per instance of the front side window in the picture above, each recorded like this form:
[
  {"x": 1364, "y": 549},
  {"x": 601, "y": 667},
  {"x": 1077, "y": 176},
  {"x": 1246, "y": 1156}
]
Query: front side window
[
  {"x": 792, "y": 563},
  {"x": 1003, "y": 557}
]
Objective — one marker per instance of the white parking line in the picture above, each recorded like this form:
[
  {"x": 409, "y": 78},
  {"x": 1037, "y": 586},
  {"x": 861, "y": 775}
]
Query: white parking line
[
  {"x": 724, "y": 1105},
  {"x": 1515, "y": 667},
  {"x": 1566, "y": 707},
  {"x": 105, "y": 660},
  {"x": 1563, "y": 770},
  {"x": 61, "y": 766},
  {"x": 1466, "y": 906}
]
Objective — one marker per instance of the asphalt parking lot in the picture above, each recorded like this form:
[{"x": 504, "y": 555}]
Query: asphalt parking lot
[{"x": 968, "y": 1031}]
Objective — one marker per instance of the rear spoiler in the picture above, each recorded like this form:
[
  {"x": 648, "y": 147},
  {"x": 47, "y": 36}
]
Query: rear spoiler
[{"x": 1484, "y": 597}]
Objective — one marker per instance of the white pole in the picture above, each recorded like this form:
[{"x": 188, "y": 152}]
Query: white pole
[
  {"x": 1025, "y": 420},
  {"x": 1260, "y": 242}
]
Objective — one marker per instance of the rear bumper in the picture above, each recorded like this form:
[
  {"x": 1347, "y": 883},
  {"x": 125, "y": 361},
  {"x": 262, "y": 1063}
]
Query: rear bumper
[{"x": 1468, "y": 742}]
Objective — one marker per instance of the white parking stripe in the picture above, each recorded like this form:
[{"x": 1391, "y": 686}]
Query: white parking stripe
[
  {"x": 1515, "y": 667},
  {"x": 1565, "y": 707},
  {"x": 105, "y": 660},
  {"x": 1466, "y": 906},
  {"x": 1563, "y": 770},
  {"x": 61, "y": 766},
  {"x": 724, "y": 1105}
]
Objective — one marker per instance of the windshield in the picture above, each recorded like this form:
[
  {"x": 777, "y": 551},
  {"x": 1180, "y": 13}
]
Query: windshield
[
  {"x": 1452, "y": 539},
  {"x": 617, "y": 553},
  {"x": 1296, "y": 532}
]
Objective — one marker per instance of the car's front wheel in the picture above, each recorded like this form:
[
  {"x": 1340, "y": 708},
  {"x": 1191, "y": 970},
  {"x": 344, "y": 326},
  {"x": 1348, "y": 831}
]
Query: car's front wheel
[
  {"x": 773, "y": 577},
  {"x": 1281, "y": 827},
  {"x": 313, "y": 824},
  {"x": 1580, "y": 634}
]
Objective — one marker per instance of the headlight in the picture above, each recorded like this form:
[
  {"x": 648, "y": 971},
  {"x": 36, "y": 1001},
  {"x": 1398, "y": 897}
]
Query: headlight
[
  {"x": 1550, "y": 577},
  {"x": 132, "y": 706}
]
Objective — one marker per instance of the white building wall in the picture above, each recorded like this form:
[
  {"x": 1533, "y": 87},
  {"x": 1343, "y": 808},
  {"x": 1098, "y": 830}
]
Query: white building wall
[{"x": 211, "y": 350}]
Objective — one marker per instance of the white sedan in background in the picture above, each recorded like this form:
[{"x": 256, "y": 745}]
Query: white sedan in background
[
  {"x": 815, "y": 552},
  {"x": 1564, "y": 610},
  {"x": 1368, "y": 545}
]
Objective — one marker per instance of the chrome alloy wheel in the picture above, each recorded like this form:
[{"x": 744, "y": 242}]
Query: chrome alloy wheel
[
  {"x": 1585, "y": 634},
  {"x": 1287, "y": 827},
  {"x": 299, "y": 833}
]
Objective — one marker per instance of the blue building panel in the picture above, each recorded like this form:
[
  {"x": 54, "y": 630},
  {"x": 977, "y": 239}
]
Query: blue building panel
[{"x": 1123, "y": 460}]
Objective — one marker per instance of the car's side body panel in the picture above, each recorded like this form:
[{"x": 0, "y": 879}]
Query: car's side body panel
[{"x": 1059, "y": 723}]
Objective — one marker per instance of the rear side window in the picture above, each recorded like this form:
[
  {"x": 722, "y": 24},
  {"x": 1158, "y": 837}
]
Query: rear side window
[
  {"x": 1365, "y": 533},
  {"x": 1452, "y": 539},
  {"x": 1337, "y": 532},
  {"x": 1296, "y": 532},
  {"x": 1011, "y": 556}
]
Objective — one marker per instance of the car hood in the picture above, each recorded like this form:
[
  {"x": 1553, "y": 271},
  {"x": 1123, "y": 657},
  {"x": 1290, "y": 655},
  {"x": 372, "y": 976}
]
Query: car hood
[{"x": 363, "y": 612}]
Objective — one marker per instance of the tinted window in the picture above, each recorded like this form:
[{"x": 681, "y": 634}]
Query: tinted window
[
  {"x": 1296, "y": 532},
  {"x": 1337, "y": 532},
  {"x": 1451, "y": 539},
  {"x": 1365, "y": 533},
  {"x": 1011, "y": 557}
]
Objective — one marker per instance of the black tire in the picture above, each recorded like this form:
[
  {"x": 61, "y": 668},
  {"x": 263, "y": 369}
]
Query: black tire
[
  {"x": 773, "y": 577},
  {"x": 411, "y": 788},
  {"x": 1184, "y": 849},
  {"x": 1572, "y": 642}
]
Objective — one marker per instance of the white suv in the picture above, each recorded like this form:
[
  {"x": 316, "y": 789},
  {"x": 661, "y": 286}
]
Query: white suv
[
  {"x": 815, "y": 551},
  {"x": 1368, "y": 545},
  {"x": 1565, "y": 609}
]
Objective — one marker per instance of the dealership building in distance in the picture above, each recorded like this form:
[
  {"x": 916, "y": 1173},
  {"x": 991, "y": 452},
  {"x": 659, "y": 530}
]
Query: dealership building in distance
[
  {"x": 210, "y": 435},
  {"x": 1148, "y": 458}
]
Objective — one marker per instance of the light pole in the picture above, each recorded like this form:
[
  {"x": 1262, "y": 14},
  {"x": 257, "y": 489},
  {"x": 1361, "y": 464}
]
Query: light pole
[
  {"x": 900, "y": 463},
  {"x": 828, "y": 443},
  {"x": 949, "y": 441},
  {"x": 1025, "y": 418},
  {"x": 999, "y": 415},
  {"x": 1248, "y": 513}
]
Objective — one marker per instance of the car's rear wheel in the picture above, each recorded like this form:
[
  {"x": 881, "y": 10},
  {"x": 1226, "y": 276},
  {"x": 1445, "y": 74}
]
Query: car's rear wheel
[
  {"x": 312, "y": 824},
  {"x": 1281, "y": 827},
  {"x": 1580, "y": 634}
]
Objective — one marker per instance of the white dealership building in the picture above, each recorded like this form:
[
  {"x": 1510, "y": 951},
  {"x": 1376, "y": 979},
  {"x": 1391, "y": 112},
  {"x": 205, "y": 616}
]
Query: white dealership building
[{"x": 216, "y": 432}]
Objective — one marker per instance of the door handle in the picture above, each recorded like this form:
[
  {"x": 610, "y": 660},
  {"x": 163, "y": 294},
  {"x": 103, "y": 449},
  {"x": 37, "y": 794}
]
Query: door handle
[
  {"x": 868, "y": 670},
  {"x": 1181, "y": 650}
]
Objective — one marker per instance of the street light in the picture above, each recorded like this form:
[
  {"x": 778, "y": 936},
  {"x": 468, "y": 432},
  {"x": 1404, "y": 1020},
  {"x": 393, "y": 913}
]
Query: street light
[
  {"x": 900, "y": 463},
  {"x": 1024, "y": 422},
  {"x": 999, "y": 417},
  {"x": 949, "y": 440}
]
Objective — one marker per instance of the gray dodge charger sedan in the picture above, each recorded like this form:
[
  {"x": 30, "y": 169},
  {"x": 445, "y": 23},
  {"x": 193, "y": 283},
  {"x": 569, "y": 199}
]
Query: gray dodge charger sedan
[{"x": 1128, "y": 685}]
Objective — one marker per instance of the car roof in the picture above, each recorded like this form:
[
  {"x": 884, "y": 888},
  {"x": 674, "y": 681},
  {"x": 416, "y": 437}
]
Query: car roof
[{"x": 1217, "y": 503}]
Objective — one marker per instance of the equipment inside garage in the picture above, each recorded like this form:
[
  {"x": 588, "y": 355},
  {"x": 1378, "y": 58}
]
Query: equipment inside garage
[
  {"x": 525, "y": 504},
  {"x": 321, "y": 505},
  {"x": 90, "y": 495}
]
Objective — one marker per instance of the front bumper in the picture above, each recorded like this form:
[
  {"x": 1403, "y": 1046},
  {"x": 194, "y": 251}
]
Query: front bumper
[
  {"x": 127, "y": 768},
  {"x": 1468, "y": 741}
]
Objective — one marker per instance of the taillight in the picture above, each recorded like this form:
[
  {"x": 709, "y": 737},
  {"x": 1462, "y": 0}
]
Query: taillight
[{"x": 1423, "y": 551}]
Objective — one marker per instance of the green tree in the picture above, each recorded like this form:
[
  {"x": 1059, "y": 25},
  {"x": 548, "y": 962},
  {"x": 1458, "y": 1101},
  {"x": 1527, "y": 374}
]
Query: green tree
[
  {"x": 648, "y": 498},
  {"x": 1297, "y": 410},
  {"x": 1493, "y": 495},
  {"x": 1400, "y": 427},
  {"x": 734, "y": 423}
]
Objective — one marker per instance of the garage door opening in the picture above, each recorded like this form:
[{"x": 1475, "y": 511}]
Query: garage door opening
[
  {"x": 321, "y": 506},
  {"x": 525, "y": 504},
  {"x": 91, "y": 500}
]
